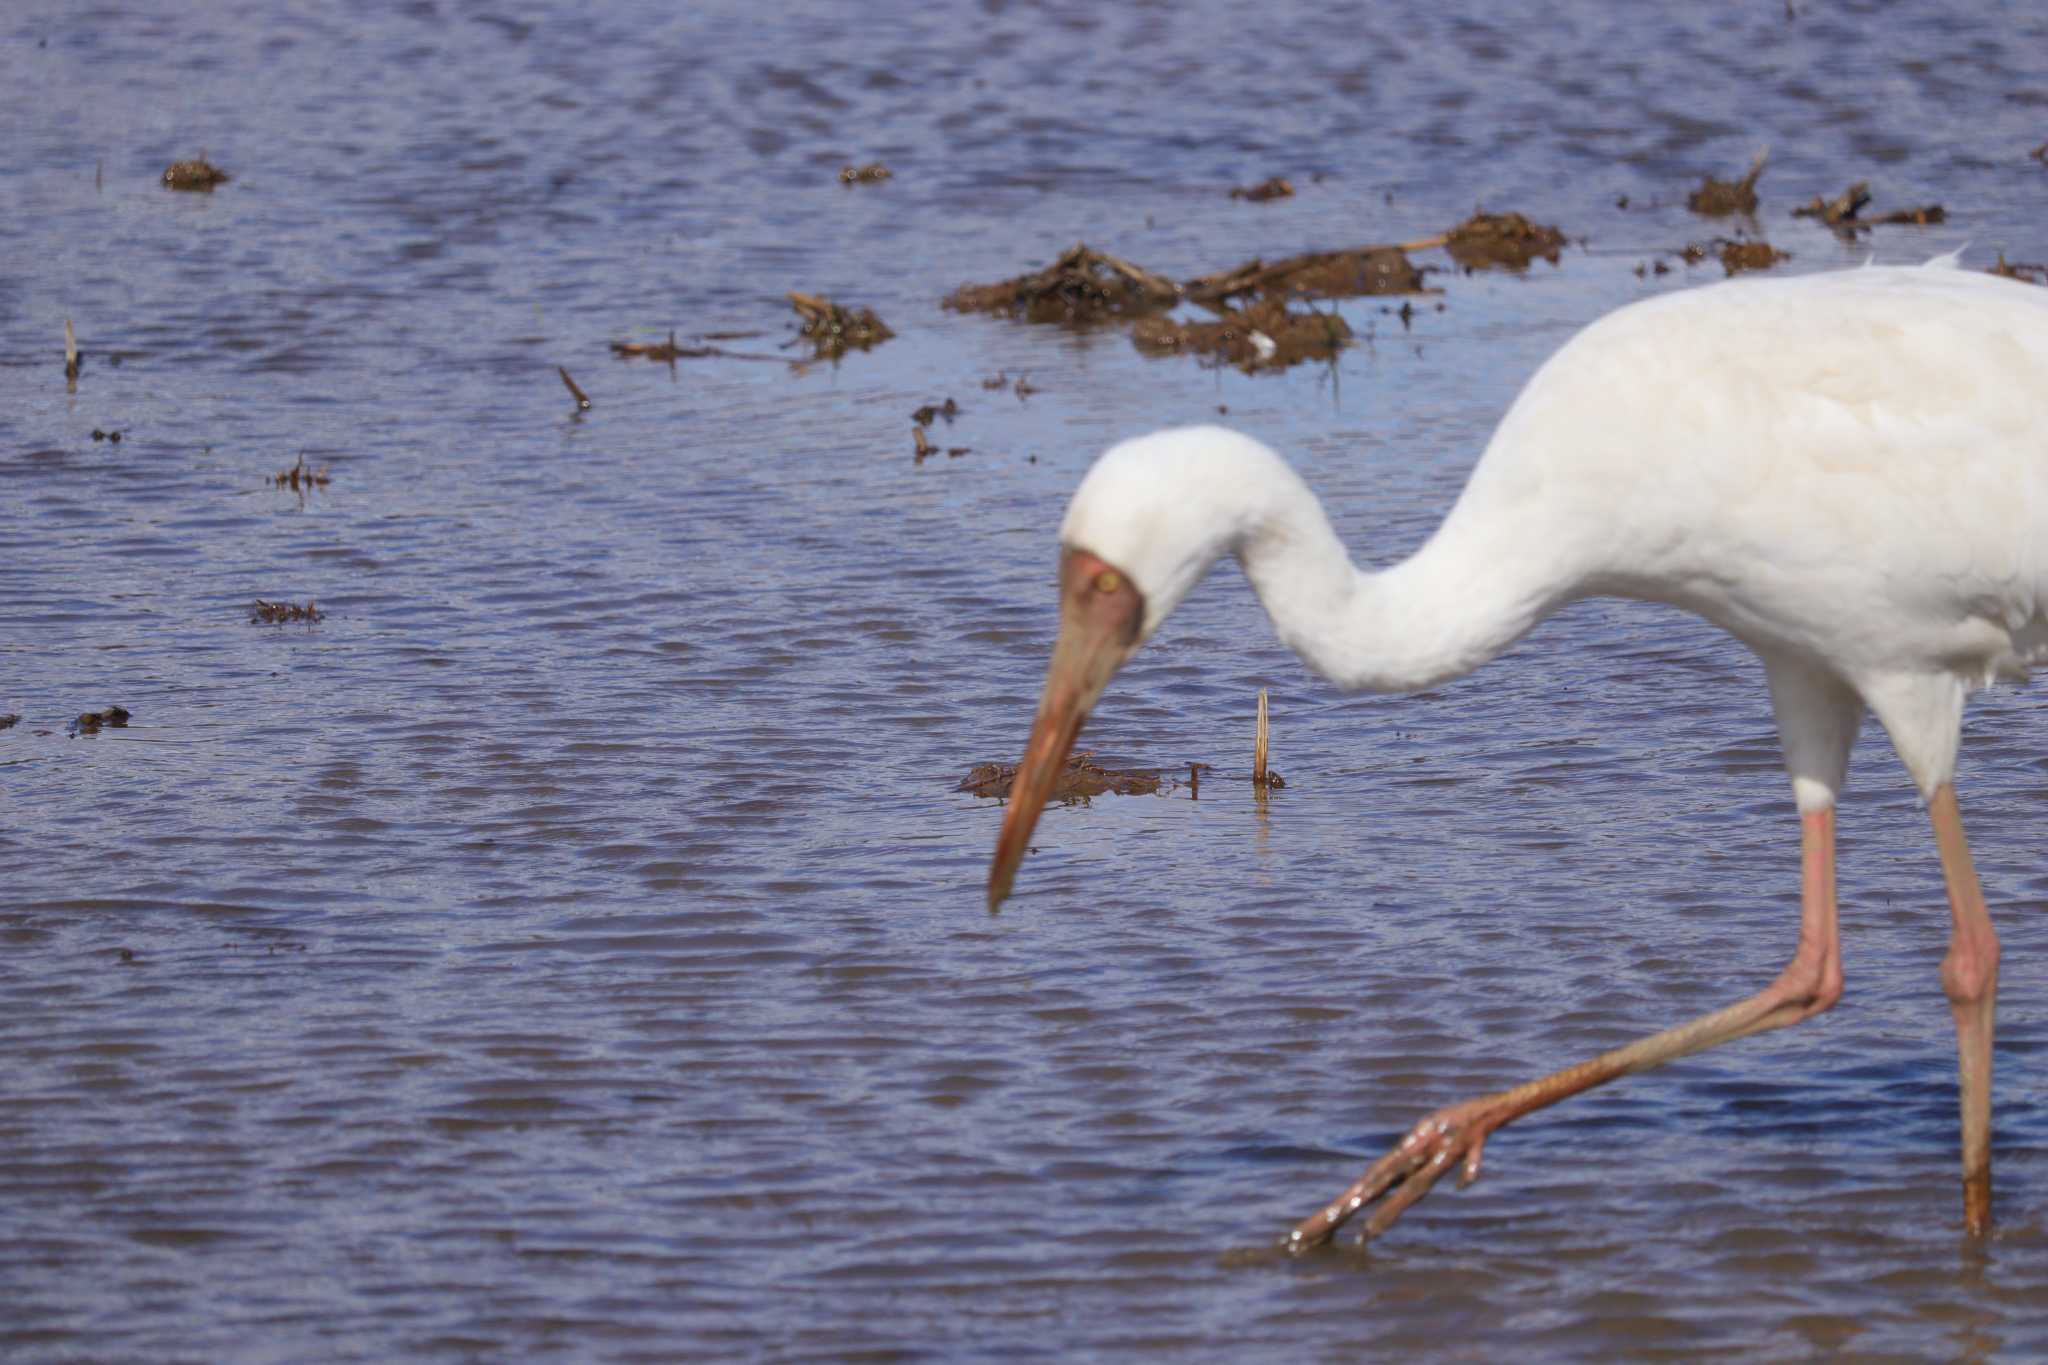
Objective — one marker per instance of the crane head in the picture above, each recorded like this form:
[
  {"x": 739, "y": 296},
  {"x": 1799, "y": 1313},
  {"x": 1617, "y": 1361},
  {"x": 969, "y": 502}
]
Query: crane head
[{"x": 1102, "y": 616}]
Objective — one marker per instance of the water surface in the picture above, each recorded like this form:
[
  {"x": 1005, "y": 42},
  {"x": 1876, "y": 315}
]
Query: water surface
[{"x": 573, "y": 945}]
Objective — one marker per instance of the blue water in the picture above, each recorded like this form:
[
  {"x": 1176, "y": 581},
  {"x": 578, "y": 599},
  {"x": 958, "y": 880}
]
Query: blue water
[{"x": 572, "y": 945}]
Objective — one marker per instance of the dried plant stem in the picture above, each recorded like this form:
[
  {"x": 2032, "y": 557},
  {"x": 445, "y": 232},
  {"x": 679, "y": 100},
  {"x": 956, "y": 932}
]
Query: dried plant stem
[
  {"x": 582, "y": 398},
  {"x": 1259, "y": 746}
]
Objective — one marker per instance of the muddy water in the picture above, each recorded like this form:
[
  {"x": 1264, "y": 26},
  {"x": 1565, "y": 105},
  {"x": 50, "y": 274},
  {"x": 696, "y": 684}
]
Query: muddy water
[{"x": 571, "y": 946}]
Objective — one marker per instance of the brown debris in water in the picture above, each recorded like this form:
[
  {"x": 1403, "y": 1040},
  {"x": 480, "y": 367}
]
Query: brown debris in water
[
  {"x": 90, "y": 722},
  {"x": 582, "y": 398},
  {"x": 835, "y": 330},
  {"x": 665, "y": 351},
  {"x": 1079, "y": 780},
  {"x": 1926, "y": 215},
  {"x": 1082, "y": 286},
  {"x": 1365, "y": 270},
  {"x": 1734, "y": 256},
  {"x": 670, "y": 351},
  {"x": 1262, "y": 336},
  {"x": 277, "y": 613},
  {"x": 1840, "y": 209},
  {"x": 2017, "y": 270},
  {"x": 870, "y": 174},
  {"x": 1501, "y": 241},
  {"x": 302, "y": 476},
  {"x": 11, "y": 718},
  {"x": 1718, "y": 198},
  {"x": 73, "y": 360},
  {"x": 1275, "y": 187},
  {"x": 1843, "y": 213},
  {"x": 925, "y": 415},
  {"x": 198, "y": 174},
  {"x": 1021, "y": 385},
  {"x": 1737, "y": 257}
]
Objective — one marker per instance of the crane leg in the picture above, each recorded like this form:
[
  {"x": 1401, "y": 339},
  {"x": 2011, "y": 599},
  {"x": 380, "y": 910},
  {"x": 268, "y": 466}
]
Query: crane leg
[
  {"x": 1969, "y": 977},
  {"x": 1456, "y": 1135}
]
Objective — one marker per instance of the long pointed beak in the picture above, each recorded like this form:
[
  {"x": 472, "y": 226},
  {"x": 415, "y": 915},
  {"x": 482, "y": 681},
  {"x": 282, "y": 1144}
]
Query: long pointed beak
[{"x": 1100, "y": 615}]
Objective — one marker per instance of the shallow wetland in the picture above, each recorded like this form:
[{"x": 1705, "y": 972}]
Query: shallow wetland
[{"x": 566, "y": 941}]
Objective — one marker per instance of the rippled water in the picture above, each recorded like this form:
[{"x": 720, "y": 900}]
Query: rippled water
[{"x": 573, "y": 945}]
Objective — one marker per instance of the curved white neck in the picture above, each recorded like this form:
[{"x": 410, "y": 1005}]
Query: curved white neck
[{"x": 1466, "y": 595}]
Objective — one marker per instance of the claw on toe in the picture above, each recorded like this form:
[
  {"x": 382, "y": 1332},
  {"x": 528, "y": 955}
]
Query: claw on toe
[{"x": 1470, "y": 1172}]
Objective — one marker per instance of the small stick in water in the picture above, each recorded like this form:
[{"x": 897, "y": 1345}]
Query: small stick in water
[
  {"x": 70, "y": 352},
  {"x": 582, "y": 398},
  {"x": 1259, "y": 746}
]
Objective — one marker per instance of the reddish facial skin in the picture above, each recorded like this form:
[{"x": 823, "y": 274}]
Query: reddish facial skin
[{"x": 1100, "y": 616}]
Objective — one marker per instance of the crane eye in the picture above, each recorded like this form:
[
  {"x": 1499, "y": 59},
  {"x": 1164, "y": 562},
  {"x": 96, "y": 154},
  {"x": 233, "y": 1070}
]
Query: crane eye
[{"x": 1109, "y": 580}]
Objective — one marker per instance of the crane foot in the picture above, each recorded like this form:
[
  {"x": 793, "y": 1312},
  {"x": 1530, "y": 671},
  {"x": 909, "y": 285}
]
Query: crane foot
[{"x": 1452, "y": 1136}]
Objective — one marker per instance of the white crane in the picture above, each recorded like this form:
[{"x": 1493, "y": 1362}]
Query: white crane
[{"x": 1848, "y": 472}]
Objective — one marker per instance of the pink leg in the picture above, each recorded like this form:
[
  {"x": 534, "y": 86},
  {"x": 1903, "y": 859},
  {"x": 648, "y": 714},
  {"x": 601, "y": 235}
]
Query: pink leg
[
  {"x": 1456, "y": 1135},
  {"x": 1969, "y": 976}
]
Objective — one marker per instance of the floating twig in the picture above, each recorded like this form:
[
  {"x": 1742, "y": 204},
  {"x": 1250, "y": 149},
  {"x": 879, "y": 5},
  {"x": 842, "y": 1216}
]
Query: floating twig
[
  {"x": 582, "y": 398},
  {"x": 1083, "y": 285}
]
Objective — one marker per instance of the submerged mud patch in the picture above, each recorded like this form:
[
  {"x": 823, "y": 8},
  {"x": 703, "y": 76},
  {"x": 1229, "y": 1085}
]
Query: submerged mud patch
[
  {"x": 1735, "y": 255},
  {"x": 1353, "y": 273},
  {"x": 1274, "y": 187},
  {"x": 92, "y": 722},
  {"x": 1502, "y": 241},
  {"x": 198, "y": 175},
  {"x": 834, "y": 330},
  {"x": 278, "y": 613},
  {"x": 1264, "y": 335},
  {"x": 1082, "y": 286},
  {"x": 1719, "y": 198},
  {"x": 1080, "y": 779}
]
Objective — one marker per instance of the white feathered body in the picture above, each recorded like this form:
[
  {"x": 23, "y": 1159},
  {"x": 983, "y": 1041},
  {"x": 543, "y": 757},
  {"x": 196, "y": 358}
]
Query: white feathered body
[{"x": 1847, "y": 471}]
